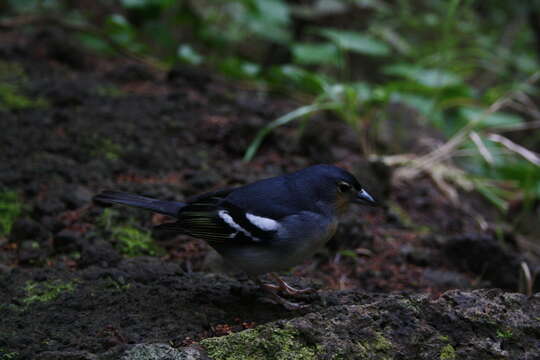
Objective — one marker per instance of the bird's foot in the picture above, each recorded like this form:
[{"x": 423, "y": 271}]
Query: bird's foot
[
  {"x": 282, "y": 286},
  {"x": 274, "y": 298},
  {"x": 288, "y": 289}
]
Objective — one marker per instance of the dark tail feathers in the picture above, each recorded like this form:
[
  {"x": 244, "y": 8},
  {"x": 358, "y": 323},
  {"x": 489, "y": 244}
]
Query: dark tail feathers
[{"x": 170, "y": 208}]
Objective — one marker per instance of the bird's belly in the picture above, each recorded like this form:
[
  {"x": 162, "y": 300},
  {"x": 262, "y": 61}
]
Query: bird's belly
[{"x": 281, "y": 255}]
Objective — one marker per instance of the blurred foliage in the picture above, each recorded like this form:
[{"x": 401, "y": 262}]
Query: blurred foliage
[
  {"x": 135, "y": 242},
  {"x": 13, "y": 81},
  {"x": 454, "y": 62},
  {"x": 10, "y": 209},
  {"x": 128, "y": 239}
]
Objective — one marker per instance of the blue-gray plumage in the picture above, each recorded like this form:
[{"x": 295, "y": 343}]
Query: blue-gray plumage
[{"x": 266, "y": 226}]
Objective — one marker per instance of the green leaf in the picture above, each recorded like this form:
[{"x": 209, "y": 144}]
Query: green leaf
[
  {"x": 138, "y": 4},
  {"x": 422, "y": 104},
  {"x": 521, "y": 171},
  {"x": 364, "y": 92},
  {"x": 492, "y": 194},
  {"x": 295, "y": 76},
  {"x": 270, "y": 31},
  {"x": 275, "y": 11},
  {"x": 239, "y": 68},
  {"x": 393, "y": 38},
  {"x": 349, "y": 253},
  {"x": 187, "y": 54},
  {"x": 432, "y": 78},
  {"x": 134, "y": 3},
  {"x": 119, "y": 21},
  {"x": 269, "y": 19},
  {"x": 315, "y": 54},
  {"x": 95, "y": 43},
  {"x": 486, "y": 120},
  {"x": 356, "y": 42},
  {"x": 320, "y": 8},
  {"x": 23, "y": 6}
]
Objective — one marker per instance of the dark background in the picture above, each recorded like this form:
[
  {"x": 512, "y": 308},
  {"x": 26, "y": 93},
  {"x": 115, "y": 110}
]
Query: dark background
[{"x": 433, "y": 105}]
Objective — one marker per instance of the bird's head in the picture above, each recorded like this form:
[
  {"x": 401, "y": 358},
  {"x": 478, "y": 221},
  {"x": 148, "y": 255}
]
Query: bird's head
[{"x": 337, "y": 186}]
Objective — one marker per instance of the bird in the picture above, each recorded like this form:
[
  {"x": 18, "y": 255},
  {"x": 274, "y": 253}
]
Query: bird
[{"x": 266, "y": 226}]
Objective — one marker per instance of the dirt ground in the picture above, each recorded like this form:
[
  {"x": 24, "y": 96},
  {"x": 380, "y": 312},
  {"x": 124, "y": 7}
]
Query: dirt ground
[{"x": 78, "y": 277}]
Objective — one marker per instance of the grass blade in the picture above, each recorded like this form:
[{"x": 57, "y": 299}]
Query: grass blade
[{"x": 282, "y": 120}]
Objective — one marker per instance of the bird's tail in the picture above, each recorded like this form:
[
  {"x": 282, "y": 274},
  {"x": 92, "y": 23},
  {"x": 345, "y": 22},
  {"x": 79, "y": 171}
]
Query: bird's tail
[{"x": 170, "y": 208}]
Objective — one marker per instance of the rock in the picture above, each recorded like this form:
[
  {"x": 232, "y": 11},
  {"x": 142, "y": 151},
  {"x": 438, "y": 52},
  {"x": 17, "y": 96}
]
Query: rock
[
  {"x": 65, "y": 93},
  {"x": 162, "y": 352},
  {"x": 50, "y": 206},
  {"x": 76, "y": 196},
  {"x": 67, "y": 240},
  {"x": 146, "y": 302},
  {"x": 485, "y": 256},
  {"x": 446, "y": 279},
  {"x": 52, "y": 223},
  {"x": 99, "y": 252},
  {"x": 481, "y": 324},
  {"x": 59, "y": 46},
  {"x": 131, "y": 72},
  {"x": 27, "y": 229},
  {"x": 144, "y": 269},
  {"x": 195, "y": 76},
  {"x": 32, "y": 252},
  {"x": 203, "y": 179},
  {"x": 416, "y": 255},
  {"x": 66, "y": 355}
]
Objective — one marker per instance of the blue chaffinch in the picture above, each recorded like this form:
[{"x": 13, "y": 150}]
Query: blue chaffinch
[{"x": 266, "y": 226}]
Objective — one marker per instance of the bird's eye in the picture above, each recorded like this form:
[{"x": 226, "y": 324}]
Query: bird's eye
[{"x": 344, "y": 186}]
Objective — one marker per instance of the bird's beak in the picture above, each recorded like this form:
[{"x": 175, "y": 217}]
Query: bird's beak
[{"x": 362, "y": 197}]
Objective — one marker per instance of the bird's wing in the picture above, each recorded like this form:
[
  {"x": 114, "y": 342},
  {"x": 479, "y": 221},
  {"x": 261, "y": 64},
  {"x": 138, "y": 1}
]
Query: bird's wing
[
  {"x": 212, "y": 218},
  {"x": 273, "y": 198}
]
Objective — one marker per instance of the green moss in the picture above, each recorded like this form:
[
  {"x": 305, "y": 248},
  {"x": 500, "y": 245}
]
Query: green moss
[
  {"x": 106, "y": 219},
  {"x": 134, "y": 242},
  {"x": 12, "y": 99},
  {"x": 378, "y": 345},
  {"x": 8, "y": 355},
  {"x": 116, "y": 286},
  {"x": 381, "y": 343},
  {"x": 258, "y": 344},
  {"x": 411, "y": 305},
  {"x": 504, "y": 334},
  {"x": 10, "y": 209},
  {"x": 447, "y": 353},
  {"x": 105, "y": 147},
  {"x": 130, "y": 241},
  {"x": 10, "y": 71},
  {"x": 109, "y": 91},
  {"x": 12, "y": 81},
  {"x": 45, "y": 292}
]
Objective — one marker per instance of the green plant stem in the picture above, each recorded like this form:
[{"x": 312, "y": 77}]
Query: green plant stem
[{"x": 295, "y": 114}]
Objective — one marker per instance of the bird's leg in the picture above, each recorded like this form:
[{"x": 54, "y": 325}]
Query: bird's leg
[
  {"x": 274, "y": 298},
  {"x": 288, "y": 288}
]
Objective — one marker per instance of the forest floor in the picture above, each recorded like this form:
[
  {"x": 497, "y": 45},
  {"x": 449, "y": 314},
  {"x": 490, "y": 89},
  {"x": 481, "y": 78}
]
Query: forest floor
[{"x": 76, "y": 278}]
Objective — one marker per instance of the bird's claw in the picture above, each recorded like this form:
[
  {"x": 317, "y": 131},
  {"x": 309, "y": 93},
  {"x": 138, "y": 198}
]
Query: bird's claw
[
  {"x": 278, "y": 300},
  {"x": 283, "y": 286},
  {"x": 274, "y": 298}
]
